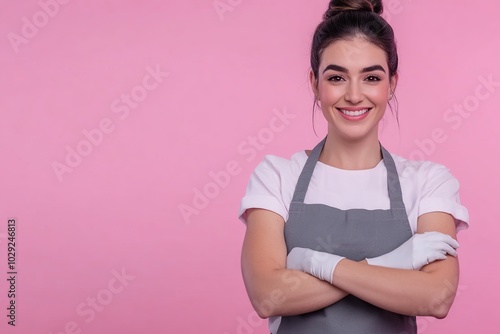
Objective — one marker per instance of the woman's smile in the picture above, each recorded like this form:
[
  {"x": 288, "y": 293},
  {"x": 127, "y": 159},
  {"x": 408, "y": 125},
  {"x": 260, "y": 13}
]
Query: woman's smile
[{"x": 354, "y": 113}]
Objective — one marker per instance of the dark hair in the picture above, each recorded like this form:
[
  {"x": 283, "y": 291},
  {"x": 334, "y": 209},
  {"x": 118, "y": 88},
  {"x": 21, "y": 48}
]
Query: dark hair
[{"x": 350, "y": 18}]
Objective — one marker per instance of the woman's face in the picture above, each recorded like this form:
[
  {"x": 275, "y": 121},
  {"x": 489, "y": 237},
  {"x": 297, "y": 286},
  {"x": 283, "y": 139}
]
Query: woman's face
[{"x": 353, "y": 87}]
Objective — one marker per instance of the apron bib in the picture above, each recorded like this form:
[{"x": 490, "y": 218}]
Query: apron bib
[{"x": 355, "y": 234}]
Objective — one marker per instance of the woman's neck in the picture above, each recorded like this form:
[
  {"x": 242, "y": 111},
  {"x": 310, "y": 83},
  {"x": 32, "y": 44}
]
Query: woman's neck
[{"x": 351, "y": 154}]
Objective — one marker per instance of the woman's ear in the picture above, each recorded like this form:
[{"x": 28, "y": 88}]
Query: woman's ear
[
  {"x": 394, "y": 82},
  {"x": 314, "y": 82}
]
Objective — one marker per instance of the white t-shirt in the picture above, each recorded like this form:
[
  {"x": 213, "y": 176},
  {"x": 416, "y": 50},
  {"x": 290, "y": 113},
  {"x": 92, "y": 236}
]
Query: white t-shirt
[{"x": 426, "y": 187}]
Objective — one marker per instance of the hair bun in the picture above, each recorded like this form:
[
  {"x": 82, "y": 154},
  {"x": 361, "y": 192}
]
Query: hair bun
[{"x": 337, "y": 6}]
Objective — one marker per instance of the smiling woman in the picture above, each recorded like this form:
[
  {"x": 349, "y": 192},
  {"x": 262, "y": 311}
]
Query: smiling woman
[
  {"x": 366, "y": 236},
  {"x": 353, "y": 89}
]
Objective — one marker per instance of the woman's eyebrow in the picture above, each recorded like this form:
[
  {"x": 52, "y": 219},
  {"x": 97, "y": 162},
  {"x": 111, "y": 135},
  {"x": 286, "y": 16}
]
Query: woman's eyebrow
[{"x": 344, "y": 70}]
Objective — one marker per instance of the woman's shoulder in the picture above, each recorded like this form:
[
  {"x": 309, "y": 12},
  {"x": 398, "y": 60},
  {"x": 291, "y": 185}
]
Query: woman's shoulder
[
  {"x": 435, "y": 187},
  {"x": 283, "y": 165},
  {"x": 421, "y": 170}
]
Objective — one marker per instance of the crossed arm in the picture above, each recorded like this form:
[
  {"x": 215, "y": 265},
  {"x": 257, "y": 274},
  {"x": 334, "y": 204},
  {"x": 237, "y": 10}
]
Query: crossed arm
[{"x": 276, "y": 291}]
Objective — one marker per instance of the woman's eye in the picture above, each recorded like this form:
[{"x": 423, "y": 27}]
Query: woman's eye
[
  {"x": 373, "y": 78},
  {"x": 336, "y": 78}
]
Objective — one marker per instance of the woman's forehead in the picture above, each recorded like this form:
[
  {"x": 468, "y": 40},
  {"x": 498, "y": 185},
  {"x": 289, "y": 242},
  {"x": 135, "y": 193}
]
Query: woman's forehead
[{"x": 355, "y": 53}]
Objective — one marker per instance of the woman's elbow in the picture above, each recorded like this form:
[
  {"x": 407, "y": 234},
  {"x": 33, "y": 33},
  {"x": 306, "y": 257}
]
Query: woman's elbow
[
  {"x": 262, "y": 312},
  {"x": 441, "y": 302},
  {"x": 441, "y": 308},
  {"x": 267, "y": 304},
  {"x": 257, "y": 303},
  {"x": 267, "y": 292}
]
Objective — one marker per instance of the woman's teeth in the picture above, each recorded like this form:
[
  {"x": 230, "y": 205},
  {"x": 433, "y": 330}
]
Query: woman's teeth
[{"x": 354, "y": 113}]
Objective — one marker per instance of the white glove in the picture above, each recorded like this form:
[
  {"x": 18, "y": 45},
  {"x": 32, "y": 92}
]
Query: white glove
[
  {"x": 318, "y": 264},
  {"x": 419, "y": 250}
]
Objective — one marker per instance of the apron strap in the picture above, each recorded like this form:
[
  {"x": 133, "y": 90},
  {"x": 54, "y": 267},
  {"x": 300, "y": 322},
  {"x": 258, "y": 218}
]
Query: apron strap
[
  {"x": 306, "y": 174},
  {"x": 393, "y": 184}
]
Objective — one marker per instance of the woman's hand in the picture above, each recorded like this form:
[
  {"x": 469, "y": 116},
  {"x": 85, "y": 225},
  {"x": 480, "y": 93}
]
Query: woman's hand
[
  {"x": 318, "y": 264},
  {"x": 418, "y": 251}
]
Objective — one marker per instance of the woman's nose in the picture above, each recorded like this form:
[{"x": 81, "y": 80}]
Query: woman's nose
[{"x": 353, "y": 93}]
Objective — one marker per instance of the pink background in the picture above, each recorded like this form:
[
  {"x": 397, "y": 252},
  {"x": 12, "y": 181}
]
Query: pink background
[{"x": 229, "y": 73}]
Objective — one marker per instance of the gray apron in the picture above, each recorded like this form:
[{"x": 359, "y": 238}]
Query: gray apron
[{"x": 356, "y": 234}]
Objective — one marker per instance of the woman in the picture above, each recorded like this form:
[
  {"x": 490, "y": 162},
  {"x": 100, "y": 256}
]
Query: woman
[{"x": 348, "y": 238}]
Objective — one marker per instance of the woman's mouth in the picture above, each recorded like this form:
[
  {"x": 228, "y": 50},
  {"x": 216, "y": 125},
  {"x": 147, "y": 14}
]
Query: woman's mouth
[{"x": 354, "y": 114}]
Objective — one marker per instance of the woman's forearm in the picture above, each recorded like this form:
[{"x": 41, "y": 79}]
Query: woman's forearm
[
  {"x": 423, "y": 293},
  {"x": 427, "y": 289},
  {"x": 429, "y": 292},
  {"x": 290, "y": 292}
]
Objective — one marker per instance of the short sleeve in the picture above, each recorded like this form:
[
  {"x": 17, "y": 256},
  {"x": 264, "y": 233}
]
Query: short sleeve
[
  {"x": 441, "y": 193},
  {"x": 264, "y": 189}
]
